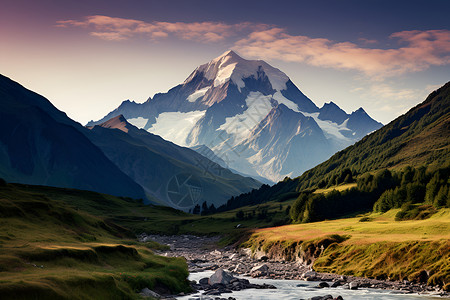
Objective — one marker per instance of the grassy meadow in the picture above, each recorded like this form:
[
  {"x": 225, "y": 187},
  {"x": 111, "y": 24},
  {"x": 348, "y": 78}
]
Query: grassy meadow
[
  {"x": 138, "y": 218},
  {"x": 372, "y": 245},
  {"x": 49, "y": 250},
  {"x": 63, "y": 243}
]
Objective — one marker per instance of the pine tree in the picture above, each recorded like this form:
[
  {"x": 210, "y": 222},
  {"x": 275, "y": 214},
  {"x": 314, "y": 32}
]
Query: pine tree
[
  {"x": 212, "y": 209},
  {"x": 196, "y": 210},
  {"x": 441, "y": 197}
]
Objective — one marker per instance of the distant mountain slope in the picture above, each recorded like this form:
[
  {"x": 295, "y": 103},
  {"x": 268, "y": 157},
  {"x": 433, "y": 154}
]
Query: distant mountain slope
[
  {"x": 160, "y": 166},
  {"x": 251, "y": 115},
  {"x": 421, "y": 137},
  {"x": 208, "y": 153},
  {"x": 41, "y": 145}
]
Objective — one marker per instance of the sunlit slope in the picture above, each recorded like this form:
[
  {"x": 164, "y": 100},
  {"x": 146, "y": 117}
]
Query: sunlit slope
[{"x": 374, "y": 245}]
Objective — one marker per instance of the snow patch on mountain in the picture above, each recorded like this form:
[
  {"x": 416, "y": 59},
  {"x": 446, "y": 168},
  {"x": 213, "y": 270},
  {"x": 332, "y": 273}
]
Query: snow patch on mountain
[
  {"x": 256, "y": 158},
  {"x": 330, "y": 129},
  {"x": 278, "y": 96},
  {"x": 240, "y": 126},
  {"x": 224, "y": 74},
  {"x": 139, "y": 122},
  {"x": 270, "y": 170},
  {"x": 197, "y": 94},
  {"x": 175, "y": 126},
  {"x": 230, "y": 66}
]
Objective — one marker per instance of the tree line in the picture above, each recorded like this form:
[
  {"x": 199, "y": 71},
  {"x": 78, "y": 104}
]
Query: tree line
[{"x": 377, "y": 192}]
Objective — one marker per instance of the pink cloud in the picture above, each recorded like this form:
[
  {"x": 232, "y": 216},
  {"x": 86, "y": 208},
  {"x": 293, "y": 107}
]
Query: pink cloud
[
  {"x": 417, "y": 50},
  {"x": 421, "y": 50},
  {"x": 110, "y": 36},
  {"x": 111, "y": 28}
]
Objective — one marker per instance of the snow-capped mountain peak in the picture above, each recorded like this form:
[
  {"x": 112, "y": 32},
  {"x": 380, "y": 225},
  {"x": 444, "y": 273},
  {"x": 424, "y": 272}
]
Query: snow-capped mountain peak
[
  {"x": 230, "y": 66},
  {"x": 251, "y": 115}
]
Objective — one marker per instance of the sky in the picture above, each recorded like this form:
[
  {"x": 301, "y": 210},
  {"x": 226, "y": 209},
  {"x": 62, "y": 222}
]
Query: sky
[{"x": 87, "y": 57}]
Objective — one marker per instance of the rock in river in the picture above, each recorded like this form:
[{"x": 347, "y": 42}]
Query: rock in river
[{"x": 220, "y": 276}]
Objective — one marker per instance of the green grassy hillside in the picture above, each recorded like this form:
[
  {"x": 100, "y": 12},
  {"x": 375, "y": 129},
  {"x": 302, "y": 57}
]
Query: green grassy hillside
[
  {"x": 374, "y": 245},
  {"x": 138, "y": 218},
  {"x": 49, "y": 250}
]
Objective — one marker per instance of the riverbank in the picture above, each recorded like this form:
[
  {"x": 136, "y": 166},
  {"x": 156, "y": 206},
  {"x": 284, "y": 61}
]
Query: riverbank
[{"x": 203, "y": 254}]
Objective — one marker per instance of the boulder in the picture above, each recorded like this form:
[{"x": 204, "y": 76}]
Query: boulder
[
  {"x": 220, "y": 276},
  {"x": 353, "y": 285},
  {"x": 336, "y": 284},
  {"x": 146, "y": 292},
  {"x": 323, "y": 284},
  {"x": 212, "y": 293},
  {"x": 260, "y": 270},
  {"x": 240, "y": 268},
  {"x": 309, "y": 276}
]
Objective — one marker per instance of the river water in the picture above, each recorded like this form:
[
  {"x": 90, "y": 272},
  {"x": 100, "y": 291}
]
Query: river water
[{"x": 297, "y": 289}]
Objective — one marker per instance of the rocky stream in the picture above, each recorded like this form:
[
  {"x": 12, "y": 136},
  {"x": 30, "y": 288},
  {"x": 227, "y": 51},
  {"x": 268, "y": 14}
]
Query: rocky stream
[{"x": 229, "y": 271}]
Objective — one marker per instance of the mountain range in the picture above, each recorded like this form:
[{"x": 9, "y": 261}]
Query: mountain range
[
  {"x": 40, "y": 145},
  {"x": 171, "y": 175},
  {"x": 419, "y": 138},
  {"x": 251, "y": 115}
]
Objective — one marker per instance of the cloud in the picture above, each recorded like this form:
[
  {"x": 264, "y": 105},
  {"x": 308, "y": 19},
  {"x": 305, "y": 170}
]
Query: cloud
[
  {"x": 110, "y": 36},
  {"x": 420, "y": 50},
  {"x": 358, "y": 89},
  {"x": 416, "y": 50},
  {"x": 386, "y": 101},
  {"x": 118, "y": 29},
  {"x": 388, "y": 92}
]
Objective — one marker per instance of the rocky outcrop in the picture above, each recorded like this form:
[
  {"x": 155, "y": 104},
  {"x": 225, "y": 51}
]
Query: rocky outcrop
[
  {"x": 146, "y": 292},
  {"x": 224, "y": 282},
  {"x": 260, "y": 270},
  {"x": 304, "y": 253}
]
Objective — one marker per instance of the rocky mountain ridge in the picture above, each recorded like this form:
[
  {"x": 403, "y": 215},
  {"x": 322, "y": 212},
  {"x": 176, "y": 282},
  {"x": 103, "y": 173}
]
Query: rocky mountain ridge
[{"x": 249, "y": 114}]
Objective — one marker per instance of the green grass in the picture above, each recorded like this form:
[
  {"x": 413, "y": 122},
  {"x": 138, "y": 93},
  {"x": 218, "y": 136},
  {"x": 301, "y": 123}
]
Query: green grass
[
  {"x": 389, "y": 260},
  {"x": 49, "y": 250},
  {"x": 378, "y": 246},
  {"x": 59, "y": 229},
  {"x": 339, "y": 188},
  {"x": 86, "y": 242},
  {"x": 138, "y": 218}
]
